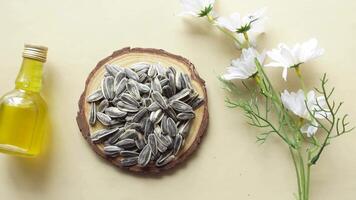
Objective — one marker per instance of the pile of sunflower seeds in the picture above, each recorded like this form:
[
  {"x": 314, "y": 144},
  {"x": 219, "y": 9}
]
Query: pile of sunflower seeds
[{"x": 146, "y": 111}]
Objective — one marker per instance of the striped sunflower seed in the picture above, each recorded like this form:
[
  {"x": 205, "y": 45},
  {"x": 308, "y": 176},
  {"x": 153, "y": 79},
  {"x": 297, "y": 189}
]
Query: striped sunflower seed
[
  {"x": 103, "y": 105},
  {"x": 185, "y": 116},
  {"x": 112, "y": 150},
  {"x": 152, "y": 142},
  {"x": 95, "y": 96},
  {"x": 131, "y": 74},
  {"x": 158, "y": 98},
  {"x": 114, "y": 112},
  {"x": 128, "y": 162},
  {"x": 126, "y": 143},
  {"x": 92, "y": 117},
  {"x": 103, "y": 118},
  {"x": 145, "y": 156},
  {"x": 180, "y": 106},
  {"x": 107, "y": 87},
  {"x": 101, "y": 134}
]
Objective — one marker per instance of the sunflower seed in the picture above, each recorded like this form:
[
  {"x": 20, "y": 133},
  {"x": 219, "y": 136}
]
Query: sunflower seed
[
  {"x": 187, "y": 81},
  {"x": 145, "y": 156},
  {"x": 148, "y": 127},
  {"x": 128, "y": 162},
  {"x": 158, "y": 98},
  {"x": 172, "y": 81},
  {"x": 178, "y": 141},
  {"x": 152, "y": 142},
  {"x": 180, "y": 106},
  {"x": 197, "y": 103},
  {"x": 165, "y": 161},
  {"x": 107, "y": 87},
  {"x": 143, "y": 88},
  {"x": 164, "y": 82},
  {"x": 129, "y": 99},
  {"x": 152, "y": 71},
  {"x": 100, "y": 134},
  {"x": 160, "y": 146},
  {"x": 172, "y": 127},
  {"x": 141, "y": 66},
  {"x": 132, "y": 88},
  {"x": 95, "y": 96},
  {"x": 103, "y": 105},
  {"x": 161, "y": 161},
  {"x": 185, "y": 116},
  {"x": 183, "y": 129},
  {"x": 112, "y": 150},
  {"x": 142, "y": 78},
  {"x": 115, "y": 138},
  {"x": 120, "y": 87},
  {"x": 140, "y": 142},
  {"x": 153, "y": 107},
  {"x": 126, "y": 143},
  {"x": 178, "y": 81},
  {"x": 128, "y": 153},
  {"x": 127, "y": 107},
  {"x": 180, "y": 95},
  {"x": 156, "y": 85},
  {"x": 160, "y": 70},
  {"x": 171, "y": 113},
  {"x": 156, "y": 116},
  {"x": 164, "y": 125},
  {"x": 92, "y": 117},
  {"x": 128, "y": 134},
  {"x": 139, "y": 115},
  {"x": 103, "y": 118},
  {"x": 164, "y": 140},
  {"x": 114, "y": 112},
  {"x": 172, "y": 70},
  {"x": 131, "y": 74},
  {"x": 119, "y": 76},
  {"x": 112, "y": 69}
]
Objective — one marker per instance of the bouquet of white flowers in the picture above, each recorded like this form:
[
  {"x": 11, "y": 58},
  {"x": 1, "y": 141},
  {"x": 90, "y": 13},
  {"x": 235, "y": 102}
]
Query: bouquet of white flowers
[{"x": 306, "y": 121}]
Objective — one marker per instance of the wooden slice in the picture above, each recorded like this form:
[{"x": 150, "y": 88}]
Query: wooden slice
[{"x": 125, "y": 57}]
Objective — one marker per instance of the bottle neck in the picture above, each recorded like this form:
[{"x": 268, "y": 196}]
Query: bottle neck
[{"x": 30, "y": 75}]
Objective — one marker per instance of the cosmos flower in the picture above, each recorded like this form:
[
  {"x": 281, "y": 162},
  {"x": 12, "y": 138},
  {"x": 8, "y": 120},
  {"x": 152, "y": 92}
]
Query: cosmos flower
[
  {"x": 236, "y": 23},
  {"x": 197, "y": 8},
  {"x": 245, "y": 66},
  {"x": 297, "y": 103},
  {"x": 287, "y": 57}
]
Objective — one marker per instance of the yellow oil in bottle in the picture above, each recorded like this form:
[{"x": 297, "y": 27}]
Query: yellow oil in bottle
[{"x": 23, "y": 112}]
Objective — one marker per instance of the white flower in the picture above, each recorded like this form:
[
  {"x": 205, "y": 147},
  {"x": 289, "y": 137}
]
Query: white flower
[
  {"x": 245, "y": 66},
  {"x": 236, "y": 23},
  {"x": 287, "y": 57},
  {"x": 197, "y": 8},
  {"x": 297, "y": 103}
]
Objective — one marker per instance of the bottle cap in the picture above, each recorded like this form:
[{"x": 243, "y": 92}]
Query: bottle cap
[{"x": 35, "y": 52}]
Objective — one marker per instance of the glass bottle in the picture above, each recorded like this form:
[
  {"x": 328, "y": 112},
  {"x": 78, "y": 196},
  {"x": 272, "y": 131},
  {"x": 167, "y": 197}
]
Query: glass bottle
[{"x": 23, "y": 112}]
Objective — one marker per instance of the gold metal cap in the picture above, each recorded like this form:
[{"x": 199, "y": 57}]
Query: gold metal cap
[{"x": 35, "y": 52}]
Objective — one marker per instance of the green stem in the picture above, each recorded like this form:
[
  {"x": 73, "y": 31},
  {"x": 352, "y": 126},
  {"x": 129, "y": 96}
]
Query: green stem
[
  {"x": 211, "y": 20},
  {"x": 297, "y": 173},
  {"x": 247, "y": 39},
  {"x": 307, "y": 187},
  {"x": 301, "y": 80},
  {"x": 302, "y": 175}
]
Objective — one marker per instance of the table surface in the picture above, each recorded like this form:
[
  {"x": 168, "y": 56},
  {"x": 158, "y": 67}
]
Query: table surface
[{"x": 229, "y": 164}]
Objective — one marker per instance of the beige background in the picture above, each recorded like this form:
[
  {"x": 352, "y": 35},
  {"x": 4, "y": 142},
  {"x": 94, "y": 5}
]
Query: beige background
[{"x": 229, "y": 164}]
